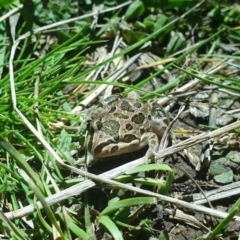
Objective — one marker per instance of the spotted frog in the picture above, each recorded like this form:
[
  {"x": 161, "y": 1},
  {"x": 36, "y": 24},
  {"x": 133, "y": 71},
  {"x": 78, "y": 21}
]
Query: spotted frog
[{"x": 124, "y": 124}]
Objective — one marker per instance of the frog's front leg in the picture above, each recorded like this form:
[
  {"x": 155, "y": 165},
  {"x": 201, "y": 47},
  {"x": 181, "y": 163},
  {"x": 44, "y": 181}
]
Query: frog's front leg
[{"x": 153, "y": 144}]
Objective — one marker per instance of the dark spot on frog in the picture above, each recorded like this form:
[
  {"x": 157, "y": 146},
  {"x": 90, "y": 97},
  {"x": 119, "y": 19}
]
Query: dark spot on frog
[
  {"x": 129, "y": 126},
  {"x": 113, "y": 109},
  {"x": 153, "y": 143},
  {"x": 114, "y": 149},
  {"x": 120, "y": 115},
  {"x": 99, "y": 148},
  {"x": 142, "y": 131},
  {"x": 100, "y": 136},
  {"x": 125, "y": 106},
  {"x": 137, "y": 105},
  {"x": 129, "y": 138},
  {"x": 111, "y": 128},
  {"x": 138, "y": 118}
]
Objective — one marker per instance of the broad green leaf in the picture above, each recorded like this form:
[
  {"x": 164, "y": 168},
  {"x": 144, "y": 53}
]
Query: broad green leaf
[
  {"x": 132, "y": 37},
  {"x": 135, "y": 10},
  {"x": 7, "y": 3},
  {"x": 177, "y": 42}
]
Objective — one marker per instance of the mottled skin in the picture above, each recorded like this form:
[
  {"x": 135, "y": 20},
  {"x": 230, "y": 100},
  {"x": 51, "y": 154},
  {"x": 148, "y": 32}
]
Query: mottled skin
[{"x": 124, "y": 124}]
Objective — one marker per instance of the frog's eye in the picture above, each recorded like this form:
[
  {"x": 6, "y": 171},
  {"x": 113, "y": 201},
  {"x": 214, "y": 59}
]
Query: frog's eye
[
  {"x": 157, "y": 111},
  {"x": 110, "y": 100},
  {"x": 160, "y": 113}
]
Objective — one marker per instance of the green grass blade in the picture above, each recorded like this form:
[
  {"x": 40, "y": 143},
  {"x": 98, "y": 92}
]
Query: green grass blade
[
  {"x": 128, "y": 203},
  {"x": 111, "y": 227}
]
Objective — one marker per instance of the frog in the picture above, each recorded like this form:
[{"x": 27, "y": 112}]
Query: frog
[{"x": 123, "y": 124}]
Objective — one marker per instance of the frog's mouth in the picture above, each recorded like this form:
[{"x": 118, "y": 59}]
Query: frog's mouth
[{"x": 114, "y": 149}]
